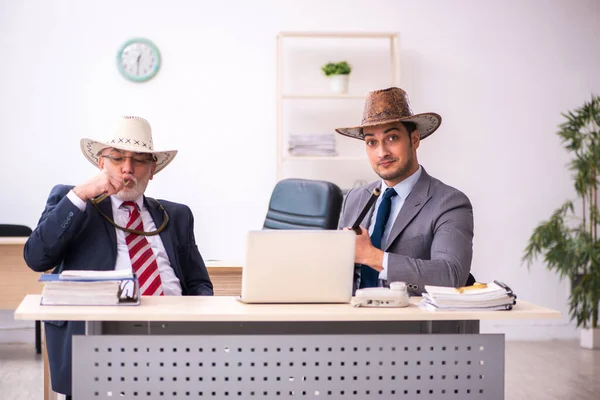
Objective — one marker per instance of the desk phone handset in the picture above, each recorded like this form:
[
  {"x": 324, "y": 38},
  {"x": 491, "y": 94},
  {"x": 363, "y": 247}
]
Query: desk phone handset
[{"x": 394, "y": 296}]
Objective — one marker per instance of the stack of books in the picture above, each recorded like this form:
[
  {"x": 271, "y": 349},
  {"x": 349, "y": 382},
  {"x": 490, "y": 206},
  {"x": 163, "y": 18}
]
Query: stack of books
[
  {"x": 89, "y": 288},
  {"x": 312, "y": 145},
  {"x": 479, "y": 297}
]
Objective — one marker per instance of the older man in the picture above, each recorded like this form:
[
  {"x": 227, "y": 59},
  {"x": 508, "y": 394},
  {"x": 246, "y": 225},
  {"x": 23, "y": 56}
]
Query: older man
[{"x": 77, "y": 231}]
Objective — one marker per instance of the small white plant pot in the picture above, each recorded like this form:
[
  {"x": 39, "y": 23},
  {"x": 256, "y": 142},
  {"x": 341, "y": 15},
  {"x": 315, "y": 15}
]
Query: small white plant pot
[
  {"x": 590, "y": 338},
  {"x": 339, "y": 83}
]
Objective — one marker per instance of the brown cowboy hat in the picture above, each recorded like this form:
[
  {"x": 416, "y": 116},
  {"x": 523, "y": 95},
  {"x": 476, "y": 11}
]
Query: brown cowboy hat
[{"x": 388, "y": 106}]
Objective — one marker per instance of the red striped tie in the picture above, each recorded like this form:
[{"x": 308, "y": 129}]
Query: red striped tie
[{"x": 143, "y": 260}]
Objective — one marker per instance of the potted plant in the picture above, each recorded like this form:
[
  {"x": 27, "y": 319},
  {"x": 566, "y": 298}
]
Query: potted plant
[
  {"x": 338, "y": 74},
  {"x": 569, "y": 241}
]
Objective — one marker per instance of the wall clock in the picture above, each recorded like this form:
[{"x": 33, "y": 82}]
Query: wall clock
[{"x": 138, "y": 60}]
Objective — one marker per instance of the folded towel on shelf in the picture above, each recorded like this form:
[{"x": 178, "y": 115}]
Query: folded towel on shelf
[{"x": 312, "y": 145}]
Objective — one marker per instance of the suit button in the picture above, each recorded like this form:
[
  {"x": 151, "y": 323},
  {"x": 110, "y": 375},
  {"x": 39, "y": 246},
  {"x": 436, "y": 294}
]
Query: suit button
[{"x": 70, "y": 213}]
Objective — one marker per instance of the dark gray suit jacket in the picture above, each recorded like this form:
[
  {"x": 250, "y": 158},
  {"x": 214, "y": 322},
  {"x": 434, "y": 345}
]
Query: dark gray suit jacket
[
  {"x": 67, "y": 238},
  {"x": 431, "y": 241}
]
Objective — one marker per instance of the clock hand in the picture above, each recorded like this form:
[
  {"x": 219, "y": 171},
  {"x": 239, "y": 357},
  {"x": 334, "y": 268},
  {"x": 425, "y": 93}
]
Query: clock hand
[{"x": 138, "y": 63}]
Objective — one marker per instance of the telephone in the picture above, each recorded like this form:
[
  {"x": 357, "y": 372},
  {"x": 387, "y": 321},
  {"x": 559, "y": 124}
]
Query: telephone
[{"x": 394, "y": 296}]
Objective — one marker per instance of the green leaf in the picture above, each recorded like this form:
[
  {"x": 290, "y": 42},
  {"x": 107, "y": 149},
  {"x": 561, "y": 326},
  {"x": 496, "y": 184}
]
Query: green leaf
[
  {"x": 568, "y": 241},
  {"x": 339, "y": 68}
]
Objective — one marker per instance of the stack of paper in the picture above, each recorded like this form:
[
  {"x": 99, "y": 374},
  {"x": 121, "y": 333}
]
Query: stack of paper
[
  {"x": 84, "y": 287},
  {"x": 481, "y": 297},
  {"x": 85, "y": 275},
  {"x": 312, "y": 145}
]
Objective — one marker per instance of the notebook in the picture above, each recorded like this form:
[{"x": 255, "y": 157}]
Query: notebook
[
  {"x": 298, "y": 266},
  {"x": 479, "y": 297}
]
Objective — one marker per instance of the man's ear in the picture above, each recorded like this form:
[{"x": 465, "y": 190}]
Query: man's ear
[
  {"x": 153, "y": 169},
  {"x": 100, "y": 162},
  {"x": 415, "y": 138}
]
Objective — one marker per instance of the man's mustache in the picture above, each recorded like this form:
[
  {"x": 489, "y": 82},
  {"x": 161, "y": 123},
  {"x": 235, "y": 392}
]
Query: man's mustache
[{"x": 385, "y": 160}]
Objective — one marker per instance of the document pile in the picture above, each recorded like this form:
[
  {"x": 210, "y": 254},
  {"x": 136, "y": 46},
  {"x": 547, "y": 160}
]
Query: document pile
[
  {"x": 479, "y": 297},
  {"x": 312, "y": 145},
  {"x": 89, "y": 288}
]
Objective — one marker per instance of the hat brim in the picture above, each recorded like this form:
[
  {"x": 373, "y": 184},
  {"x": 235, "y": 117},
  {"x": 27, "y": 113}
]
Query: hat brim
[
  {"x": 426, "y": 123},
  {"x": 91, "y": 148}
]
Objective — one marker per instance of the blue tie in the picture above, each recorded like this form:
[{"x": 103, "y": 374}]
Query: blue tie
[{"x": 368, "y": 276}]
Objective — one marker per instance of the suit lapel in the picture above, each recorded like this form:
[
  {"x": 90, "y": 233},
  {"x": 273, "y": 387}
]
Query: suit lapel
[
  {"x": 415, "y": 201},
  {"x": 364, "y": 198},
  {"x": 106, "y": 207},
  {"x": 158, "y": 217}
]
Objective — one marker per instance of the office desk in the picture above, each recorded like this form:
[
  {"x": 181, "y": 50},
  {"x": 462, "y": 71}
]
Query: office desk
[
  {"x": 216, "y": 347},
  {"x": 16, "y": 279},
  {"x": 226, "y": 277}
]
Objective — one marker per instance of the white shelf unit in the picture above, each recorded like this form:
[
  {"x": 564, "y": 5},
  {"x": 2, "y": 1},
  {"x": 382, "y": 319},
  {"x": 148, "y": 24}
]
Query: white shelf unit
[{"x": 302, "y": 87}]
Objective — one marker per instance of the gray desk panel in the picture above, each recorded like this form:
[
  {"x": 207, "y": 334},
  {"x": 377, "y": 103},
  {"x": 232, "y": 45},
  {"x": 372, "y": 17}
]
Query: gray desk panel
[
  {"x": 280, "y": 328},
  {"x": 315, "y": 366}
]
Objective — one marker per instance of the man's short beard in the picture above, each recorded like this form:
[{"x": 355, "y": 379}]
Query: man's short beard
[
  {"x": 392, "y": 176},
  {"x": 401, "y": 173},
  {"x": 130, "y": 194}
]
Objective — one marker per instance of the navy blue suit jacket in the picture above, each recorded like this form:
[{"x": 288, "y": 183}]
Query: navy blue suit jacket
[{"x": 67, "y": 238}]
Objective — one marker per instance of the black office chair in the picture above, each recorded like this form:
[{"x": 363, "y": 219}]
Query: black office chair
[
  {"x": 9, "y": 230},
  {"x": 304, "y": 204}
]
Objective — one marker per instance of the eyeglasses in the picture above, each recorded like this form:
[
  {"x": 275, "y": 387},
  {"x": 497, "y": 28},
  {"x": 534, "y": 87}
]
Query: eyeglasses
[{"x": 136, "y": 160}]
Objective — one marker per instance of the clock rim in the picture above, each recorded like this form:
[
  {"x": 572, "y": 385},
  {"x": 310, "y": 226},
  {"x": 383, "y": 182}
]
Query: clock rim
[{"x": 154, "y": 70}]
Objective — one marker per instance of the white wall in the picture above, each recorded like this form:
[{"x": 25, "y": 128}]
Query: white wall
[{"x": 499, "y": 72}]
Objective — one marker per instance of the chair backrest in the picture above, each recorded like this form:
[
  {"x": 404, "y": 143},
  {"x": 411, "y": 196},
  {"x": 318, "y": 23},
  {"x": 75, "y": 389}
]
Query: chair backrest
[
  {"x": 8, "y": 230},
  {"x": 304, "y": 204}
]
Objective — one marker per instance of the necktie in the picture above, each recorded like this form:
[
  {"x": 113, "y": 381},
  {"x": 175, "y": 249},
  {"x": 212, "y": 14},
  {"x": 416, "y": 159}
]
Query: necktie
[
  {"x": 368, "y": 276},
  {"x": 143, "y": 260}
]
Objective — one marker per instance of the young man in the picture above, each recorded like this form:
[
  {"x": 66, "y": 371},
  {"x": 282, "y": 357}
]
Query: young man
[
  {"x": 420, "y": 230},
  {"x": 76, "y": 231}
]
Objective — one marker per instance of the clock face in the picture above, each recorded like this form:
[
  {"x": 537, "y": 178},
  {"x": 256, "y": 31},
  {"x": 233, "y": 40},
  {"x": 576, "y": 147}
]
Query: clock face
[{"x": 138, "y": 60}]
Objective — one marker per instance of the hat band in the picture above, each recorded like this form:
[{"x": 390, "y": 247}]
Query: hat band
[{"x": 131, "y": 142}]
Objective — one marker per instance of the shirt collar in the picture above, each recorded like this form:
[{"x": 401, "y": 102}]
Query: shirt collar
[
  {"x": 116, "y": 202},
  {"x": 404, "y": 187}
]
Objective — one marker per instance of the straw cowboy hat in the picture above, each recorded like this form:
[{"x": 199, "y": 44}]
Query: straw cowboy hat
[
  {"x": 389, "y": 106},
  {"x": 130, "y": 134}
]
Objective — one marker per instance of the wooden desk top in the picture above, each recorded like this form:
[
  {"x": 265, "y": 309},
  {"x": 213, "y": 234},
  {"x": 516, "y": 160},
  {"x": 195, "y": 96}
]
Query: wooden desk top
[
  {"x": 227, "y": 308},
  {"x": 222, "y": 264},
  {"x": 13, "y": 240}
]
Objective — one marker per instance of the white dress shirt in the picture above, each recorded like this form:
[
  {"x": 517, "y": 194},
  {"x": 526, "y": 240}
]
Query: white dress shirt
[
  {"x": 170, "y": 283},
  {"x": 403, "y": 189}
]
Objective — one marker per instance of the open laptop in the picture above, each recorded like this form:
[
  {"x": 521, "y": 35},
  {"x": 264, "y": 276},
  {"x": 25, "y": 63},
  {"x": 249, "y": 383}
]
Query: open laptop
[{"x": 298, "y": 266}]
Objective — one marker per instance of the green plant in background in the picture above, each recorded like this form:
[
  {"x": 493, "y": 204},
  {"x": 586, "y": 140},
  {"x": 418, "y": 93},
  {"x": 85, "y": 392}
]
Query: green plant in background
[
  {"x": 569, "y": 242},
  {"x": 340, "y": 68}
]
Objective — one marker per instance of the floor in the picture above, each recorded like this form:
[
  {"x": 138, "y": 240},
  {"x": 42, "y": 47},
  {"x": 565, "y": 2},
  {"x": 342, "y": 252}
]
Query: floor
[
  {"x": 551, "y": 370},
  {"x": 21, "y": 372},
  {"x": 534, "y": 370}
]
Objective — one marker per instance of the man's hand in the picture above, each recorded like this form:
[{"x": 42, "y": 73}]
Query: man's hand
[
  {"x": 103, "y": 183},
  {"x": 365, "y": 253}
]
